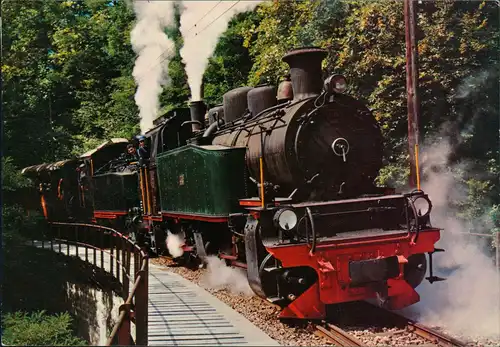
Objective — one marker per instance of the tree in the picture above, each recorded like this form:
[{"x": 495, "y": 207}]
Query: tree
[
  {"x": 98, "y": 56},
  {"x": 33, "y": 116},
  {"x": 39, "y": 329},
  {"x": 177, "y": 93},
  {"x": 66, "y": 69},
  {"x": 457, "y": 41},
  {"x": 229, "y": 66},
  {"x": 366, "y": 42},
  {"x": 279, "y": 30}
]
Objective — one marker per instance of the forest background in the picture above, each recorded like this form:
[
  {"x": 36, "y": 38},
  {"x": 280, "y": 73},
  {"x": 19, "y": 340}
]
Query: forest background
[{"x": 67, "y": 80}]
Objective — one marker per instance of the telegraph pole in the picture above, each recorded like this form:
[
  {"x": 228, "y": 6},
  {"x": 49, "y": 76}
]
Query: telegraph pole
[{"x": 412, "y": 86}]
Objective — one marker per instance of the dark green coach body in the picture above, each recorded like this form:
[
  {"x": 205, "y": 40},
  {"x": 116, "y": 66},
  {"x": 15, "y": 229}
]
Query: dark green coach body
[
  {"x": 201, "y": 180},
  {"x": 116, "y": 191}
]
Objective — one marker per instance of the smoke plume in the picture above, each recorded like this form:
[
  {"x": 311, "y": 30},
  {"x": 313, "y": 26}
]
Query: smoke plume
[
  {"x": 154, "y": 50},
  {"x": 174, "y": 244},
  {"x": 220, "y": 276},
  {"x": 202, "y": 22},
  {"x": 468, "y": 302}
]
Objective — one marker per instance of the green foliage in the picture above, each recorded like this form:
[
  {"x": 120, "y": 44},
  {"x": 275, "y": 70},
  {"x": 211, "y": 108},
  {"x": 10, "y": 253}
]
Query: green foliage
[
  {"x": 394, "y": 175},
  {"x": 67, "y": 84},
  {"x": 229, "y": 66},
  {"x": 371, "y": 52},
  {"x": 458, "y": 75},
  {"x": 17, "y": 227},
  {"x": 62, "y": 69},
  {"x": 474, "y": 206},
  {"x": 278, "y": 31},
  {"x": 494, "y": 214},
  {"x": 327, "y": 14},
  {"x": 39, "y": 329},
  {"x": 177, "y": 93},
  {"x": 26, "y": 82},
  {"x": 11, "y": 176}
]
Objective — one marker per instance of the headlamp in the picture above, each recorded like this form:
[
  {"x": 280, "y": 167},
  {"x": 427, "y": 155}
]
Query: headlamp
[
  {"x": 285, "y": 219},
  {"x": 423, "y": 205},
  {"x": 335, "y": 84}
]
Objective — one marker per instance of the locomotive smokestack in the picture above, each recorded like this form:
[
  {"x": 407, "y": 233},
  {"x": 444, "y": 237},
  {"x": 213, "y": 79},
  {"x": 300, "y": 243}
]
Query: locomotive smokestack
[
  {"x": 305, "y": 71},
  {"x": 197, "y": 109}
]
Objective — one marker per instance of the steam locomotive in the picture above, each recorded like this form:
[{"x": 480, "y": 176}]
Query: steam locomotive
[{"x": 279, "y": 183}]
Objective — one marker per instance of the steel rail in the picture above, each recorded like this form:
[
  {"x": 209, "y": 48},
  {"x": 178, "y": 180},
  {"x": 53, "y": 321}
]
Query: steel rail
[
  {"x": 342, "y": 338},
  {"x": 428, "y": 333},
  {"x": 135, "y": 306},
  {"x": 338, "y": 336},
  {"x": 330, "y": 331},
  {"x": 433, "y": 335}
]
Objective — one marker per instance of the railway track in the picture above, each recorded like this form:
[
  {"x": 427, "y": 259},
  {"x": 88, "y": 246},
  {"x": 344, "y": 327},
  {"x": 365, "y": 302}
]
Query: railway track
[
  {"x": 338, "y": 336},
  {"x": 342, "y": 338},
  {"x": 361, "y": 312},
  {"x": 430, "y": 334},
  {"x": 435, "y": 336}
]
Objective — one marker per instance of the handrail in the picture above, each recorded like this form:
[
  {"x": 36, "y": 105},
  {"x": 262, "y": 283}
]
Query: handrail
[
  {"x": 135, "y": 306},
  {"x": 313, "y": 230}
]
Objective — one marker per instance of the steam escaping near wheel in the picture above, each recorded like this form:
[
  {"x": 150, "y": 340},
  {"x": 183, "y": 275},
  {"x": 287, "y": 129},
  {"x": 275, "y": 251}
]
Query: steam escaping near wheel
[
  {"x": 220, "y": 276},
  {"x": 174, "y": 244}
]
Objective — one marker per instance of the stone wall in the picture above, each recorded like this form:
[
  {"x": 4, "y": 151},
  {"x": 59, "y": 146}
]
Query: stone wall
[
  {"x": 95, "y": 311},
  {"x": 41, "y": 279}
]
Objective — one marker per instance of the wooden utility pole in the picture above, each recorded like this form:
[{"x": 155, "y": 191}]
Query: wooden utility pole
[{"x": 412, "y": 84}]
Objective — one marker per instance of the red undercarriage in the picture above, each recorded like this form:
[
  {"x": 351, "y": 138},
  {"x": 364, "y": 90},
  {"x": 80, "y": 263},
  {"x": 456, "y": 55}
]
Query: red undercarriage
[{"x": 331, "y": 262}]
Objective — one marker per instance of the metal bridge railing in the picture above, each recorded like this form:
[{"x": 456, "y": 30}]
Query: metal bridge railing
[{"x": 124, "y": 256}]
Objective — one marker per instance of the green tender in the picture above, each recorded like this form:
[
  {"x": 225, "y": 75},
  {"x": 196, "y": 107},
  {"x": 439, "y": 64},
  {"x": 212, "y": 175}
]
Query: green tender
[
  {"x": 201, "y": 180},
  {"x": 116, "y": 191}
]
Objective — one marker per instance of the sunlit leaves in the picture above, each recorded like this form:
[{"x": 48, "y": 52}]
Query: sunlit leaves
[
  {"x": 230, "y": 64},
  {"x": 281, "y": 29},
  {"x": 458, "y": 45},
  {"x": 60, "y": 59},
  {"x": 11, "y": 176}
]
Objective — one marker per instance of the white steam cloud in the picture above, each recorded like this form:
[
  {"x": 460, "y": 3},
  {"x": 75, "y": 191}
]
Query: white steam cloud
[
  {"x": 174, "y": 244},
  {"x": 220, "y": 276},
  {"x": 202, "y": 22},
  {"x": 468, "y": 302},
  {"x": 154, "y": 50}
]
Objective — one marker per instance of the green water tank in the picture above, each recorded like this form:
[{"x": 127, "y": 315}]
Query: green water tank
[{"x": 201, "y": 180}]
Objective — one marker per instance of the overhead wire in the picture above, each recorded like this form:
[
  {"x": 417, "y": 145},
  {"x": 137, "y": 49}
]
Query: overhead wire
[
  {"x": 212, "y": 22},
  {"x": 199, "y": 20}
]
